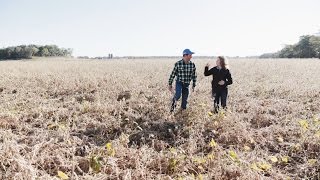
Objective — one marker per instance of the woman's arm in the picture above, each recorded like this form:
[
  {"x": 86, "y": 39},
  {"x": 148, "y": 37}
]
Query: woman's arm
[
  {"x": 207, "y": 72},
  {"x": 228, "y": 78}
]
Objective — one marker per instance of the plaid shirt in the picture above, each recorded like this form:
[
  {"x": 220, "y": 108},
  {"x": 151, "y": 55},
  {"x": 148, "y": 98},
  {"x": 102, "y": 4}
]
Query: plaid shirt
[{"x": 184, "y": 72}]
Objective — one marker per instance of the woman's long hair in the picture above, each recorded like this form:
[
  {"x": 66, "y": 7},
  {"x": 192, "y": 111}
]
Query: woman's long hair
[{"x": 223, "y": 62}]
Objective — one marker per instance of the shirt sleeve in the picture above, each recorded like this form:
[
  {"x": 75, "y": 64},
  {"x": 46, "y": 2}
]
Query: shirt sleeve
[
  {"x": 173, "y": 74},
  {"x": 194, "y": 77}
]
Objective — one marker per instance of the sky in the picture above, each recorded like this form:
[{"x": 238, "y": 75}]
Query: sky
[{"x": 159, "y": 27}]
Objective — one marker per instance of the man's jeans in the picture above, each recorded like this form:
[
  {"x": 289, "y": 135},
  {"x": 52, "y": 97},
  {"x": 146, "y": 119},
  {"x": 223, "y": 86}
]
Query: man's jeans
[{"x": 181, "y": 89}]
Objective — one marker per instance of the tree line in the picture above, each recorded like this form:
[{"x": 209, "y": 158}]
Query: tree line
[
  {"x": 28, "y": 51},
  {"x": 307, "y": 47}
]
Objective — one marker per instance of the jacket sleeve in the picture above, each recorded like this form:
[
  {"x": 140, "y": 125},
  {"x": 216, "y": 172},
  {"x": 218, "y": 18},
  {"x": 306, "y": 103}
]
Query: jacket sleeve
[
  {"x": 173, "y": 74},
  {"x": 229, "y": 78},
  {"x": 207, "y": 72}
]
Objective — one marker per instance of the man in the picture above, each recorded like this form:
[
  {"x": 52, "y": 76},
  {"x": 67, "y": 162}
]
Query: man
[{"x": 185, "y": 71}]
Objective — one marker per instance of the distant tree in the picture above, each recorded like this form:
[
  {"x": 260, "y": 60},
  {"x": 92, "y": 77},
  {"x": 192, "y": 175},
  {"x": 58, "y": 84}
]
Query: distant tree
[
  {"x": 9, "y": 52},
  {"x": 43, "y": 52},
  {"x": 307, "y": 47},
  {"x": 27, "y": 51},
  {"x": 2, "y": 54},
  {"x": 287, "y": 52},
  {"x": 269, "y": 55},
  {"x": 315, "y": 43},
  {"x": 17, "y": 53},
  {"x": 68, "y": 52},
  {"x": 35, "y": 49},
  {"x": 53, "y": 50}
]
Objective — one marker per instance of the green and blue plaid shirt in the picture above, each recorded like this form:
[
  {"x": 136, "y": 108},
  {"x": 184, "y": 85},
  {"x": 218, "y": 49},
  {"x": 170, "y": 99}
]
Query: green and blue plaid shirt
[{"x": 184, "y": 72}]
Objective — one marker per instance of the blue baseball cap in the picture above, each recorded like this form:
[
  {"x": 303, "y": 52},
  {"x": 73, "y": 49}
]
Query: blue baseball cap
[{"x": 187, "y": 51}]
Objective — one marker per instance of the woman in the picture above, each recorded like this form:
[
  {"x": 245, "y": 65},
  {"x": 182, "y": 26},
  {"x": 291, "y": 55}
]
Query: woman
[{"x": 221, "y": 79}]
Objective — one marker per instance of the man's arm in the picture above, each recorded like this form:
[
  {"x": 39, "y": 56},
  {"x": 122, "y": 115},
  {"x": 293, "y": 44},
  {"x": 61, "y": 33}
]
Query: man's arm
[
  {"x": 173, "y": 74},
  {"x": 194, "y": 77}
]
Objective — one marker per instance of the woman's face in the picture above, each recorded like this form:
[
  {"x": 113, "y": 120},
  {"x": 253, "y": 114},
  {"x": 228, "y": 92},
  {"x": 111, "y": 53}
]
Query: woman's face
[{"x": 218, "y": 62}]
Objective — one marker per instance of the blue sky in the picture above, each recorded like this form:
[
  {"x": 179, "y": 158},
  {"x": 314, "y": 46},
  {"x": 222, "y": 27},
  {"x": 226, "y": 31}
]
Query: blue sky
[{"x": 159, "y": 27}]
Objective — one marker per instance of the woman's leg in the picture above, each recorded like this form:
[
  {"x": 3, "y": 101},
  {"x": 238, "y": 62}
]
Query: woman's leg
[
  {"x": 217, "y": 102},
  {"x": 224, "y": 96}
]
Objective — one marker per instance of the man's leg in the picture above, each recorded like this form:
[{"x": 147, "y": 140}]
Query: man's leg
[
  {"x": 185, "y": 94},
  {"x": 177, "y": 95},
  {"x": 224, "y": 95}
]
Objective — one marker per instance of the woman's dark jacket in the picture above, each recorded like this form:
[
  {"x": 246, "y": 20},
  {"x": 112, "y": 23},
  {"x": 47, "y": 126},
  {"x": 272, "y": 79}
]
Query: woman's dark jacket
[{"x": 218, "y": 75}]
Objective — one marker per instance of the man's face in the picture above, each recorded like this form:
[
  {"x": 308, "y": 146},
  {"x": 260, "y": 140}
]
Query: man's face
[{"x": 188, "y": 57}]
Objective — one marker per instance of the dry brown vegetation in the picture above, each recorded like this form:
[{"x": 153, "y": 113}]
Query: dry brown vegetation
[{"x": 110, "y": 120}]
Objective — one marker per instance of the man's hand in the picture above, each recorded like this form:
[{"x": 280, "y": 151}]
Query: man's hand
[
  {"x": 208, "y": 65},
  {"x": 221, "y": 82},
  {"x": 170, "y": 88}
]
